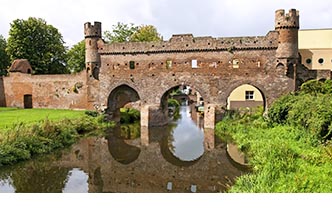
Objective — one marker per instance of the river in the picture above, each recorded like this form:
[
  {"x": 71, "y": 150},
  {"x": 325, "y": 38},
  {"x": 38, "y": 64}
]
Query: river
[{"x": 180, "y": 157}]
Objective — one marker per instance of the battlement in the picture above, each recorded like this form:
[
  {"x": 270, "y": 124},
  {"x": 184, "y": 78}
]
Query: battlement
[
  {"x": 288, "y": 20},
  {"x": 189, "y": 43},
  {"x": 92, "y": 30}
]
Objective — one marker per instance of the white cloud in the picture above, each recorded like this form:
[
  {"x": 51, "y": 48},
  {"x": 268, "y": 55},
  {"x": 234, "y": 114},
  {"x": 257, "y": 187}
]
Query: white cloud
[{"x": 202, "y": 18}]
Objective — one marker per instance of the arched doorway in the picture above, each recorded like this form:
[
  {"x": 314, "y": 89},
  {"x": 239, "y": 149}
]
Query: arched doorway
[
  {"x": 122, "y": 97},
  {"x": 245, "y": 97}
]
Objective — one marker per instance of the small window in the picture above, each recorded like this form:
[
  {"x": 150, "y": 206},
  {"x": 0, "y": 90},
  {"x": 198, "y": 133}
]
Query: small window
[
  {"x": 194, "y": 64},
  {"x": 235, "y": 63},
  {"x": 321, "y": 60},
  {"x": 249, "y": 95},
  {"x": 308, "y": 61},
  {"x": 132, "y": 65},
  {"x": 168, "y": 64}
]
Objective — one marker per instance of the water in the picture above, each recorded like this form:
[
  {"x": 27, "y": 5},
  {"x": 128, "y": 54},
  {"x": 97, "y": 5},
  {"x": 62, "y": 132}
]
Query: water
[{"x": 181, "y": 157}]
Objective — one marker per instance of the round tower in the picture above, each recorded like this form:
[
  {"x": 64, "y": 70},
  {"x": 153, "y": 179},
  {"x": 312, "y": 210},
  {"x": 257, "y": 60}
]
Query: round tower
[
  {"x": 287, "y": 24},
  {"x": 92, "y": 34}
]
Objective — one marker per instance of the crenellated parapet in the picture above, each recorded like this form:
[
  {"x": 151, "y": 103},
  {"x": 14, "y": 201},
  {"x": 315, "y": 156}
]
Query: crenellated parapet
[
  {"x": 188, "y": 43},
  {"x": 287, "y": 20},
  {"x": 92, "y": 30}
]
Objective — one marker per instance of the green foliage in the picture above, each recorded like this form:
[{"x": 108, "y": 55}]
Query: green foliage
[
  {"x": 4, "y": 58},
  {"x": 174, "y": 103},
  {"x": 130, "y": 33},
  {"x": 120, "y": 33},
  {"x": 129, "y": 115},
  {"x": 315, "y": 87},
  {"x": 130, "y": 131},
  {"x": 309, "y": 109},
  {"x": 283, "y": 158},
  {"x": 91, "y": 113},
  {"x": 23, "y": 141},
  {"x": 40, "y": 43},
  {"x": 146, "y": 33},
  {"x": 76, "y": 57}
]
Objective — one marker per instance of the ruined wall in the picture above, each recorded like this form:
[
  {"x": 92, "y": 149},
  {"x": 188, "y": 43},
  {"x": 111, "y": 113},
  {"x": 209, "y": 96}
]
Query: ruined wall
[
  {"x": 48, "y": 91},
  {"x": 2, "y": 93}
]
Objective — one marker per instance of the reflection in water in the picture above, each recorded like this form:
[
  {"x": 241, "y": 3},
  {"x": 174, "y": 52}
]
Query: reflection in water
[
  {"x": 6, "y": 186},
  {"x": 127, "y": 160},
  {"x": 188, "y": 139},
  {"x": 77, "y": 181},
  {"x": 120, "y": 150}
]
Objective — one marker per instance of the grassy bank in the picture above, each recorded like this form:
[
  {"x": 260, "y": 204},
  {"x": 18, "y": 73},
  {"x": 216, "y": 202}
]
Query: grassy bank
[
  {"x": 41, "y": 131},
  {"x": 291, "y": 150},
  {"x": 283, "y": 158},
  {"x": 12, "y": 116}
]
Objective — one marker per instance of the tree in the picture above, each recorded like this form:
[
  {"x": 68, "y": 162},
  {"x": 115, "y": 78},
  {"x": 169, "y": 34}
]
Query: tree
[
  {"x": 40, "y": 43},
  {"x": 4, "y": 58},
  {"x": 131, "y": 33},
  {"x": 120, "y": 33},
  {"x": 146, "y": 33},
  {"x": 76, "y": 57}
]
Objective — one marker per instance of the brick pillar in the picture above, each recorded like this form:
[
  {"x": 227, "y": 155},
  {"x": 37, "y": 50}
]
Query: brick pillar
[
  {"x": 153, "y": 115},
  {"x": 209, "y": 116},
  {"x": 209, "y": 139},
  {"x": 145, "y": 116}
]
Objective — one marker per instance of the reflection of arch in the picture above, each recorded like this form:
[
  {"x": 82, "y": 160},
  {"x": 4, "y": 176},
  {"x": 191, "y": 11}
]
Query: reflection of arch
[
  {"x": 159, "y": 135},
  {"x": 254, "y": 85},
  {"x": 120, "y": 150},
  {"x": 120, "y": 96}
]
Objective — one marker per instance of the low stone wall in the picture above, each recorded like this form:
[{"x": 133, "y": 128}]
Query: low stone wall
[{"x": 61, "y": 91}]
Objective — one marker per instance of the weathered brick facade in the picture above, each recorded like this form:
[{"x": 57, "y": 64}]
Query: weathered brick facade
[{"x": 213, "y": 66}]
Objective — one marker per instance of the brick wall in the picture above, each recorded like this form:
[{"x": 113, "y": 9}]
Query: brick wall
[
  {"x": 2, "y": 93},
  {"x": 60, "y": 91}
]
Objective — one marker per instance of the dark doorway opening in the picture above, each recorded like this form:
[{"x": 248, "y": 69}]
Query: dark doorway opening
[{"x": 27, "y": 101}]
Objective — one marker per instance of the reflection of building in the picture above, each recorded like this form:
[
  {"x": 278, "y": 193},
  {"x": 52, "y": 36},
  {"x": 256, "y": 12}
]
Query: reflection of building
[
  {"x": 315, "y": 47},
  {"x": 245, "y": 96}
]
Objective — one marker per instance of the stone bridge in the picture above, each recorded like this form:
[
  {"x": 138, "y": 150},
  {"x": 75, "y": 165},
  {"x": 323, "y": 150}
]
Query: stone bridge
[{"x": 146, "y": 72}]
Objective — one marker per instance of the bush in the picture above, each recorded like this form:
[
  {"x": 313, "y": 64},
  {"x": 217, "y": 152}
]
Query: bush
[
  {"x": 22, "y": 141},
  {"x": 310, "y": 108},
  {"x": 129, "y": 115}
]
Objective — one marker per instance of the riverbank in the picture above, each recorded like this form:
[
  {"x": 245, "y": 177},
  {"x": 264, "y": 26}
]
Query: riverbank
[
  {"x": 291, "y": 151},
  {"x": 40, "y": 131}
]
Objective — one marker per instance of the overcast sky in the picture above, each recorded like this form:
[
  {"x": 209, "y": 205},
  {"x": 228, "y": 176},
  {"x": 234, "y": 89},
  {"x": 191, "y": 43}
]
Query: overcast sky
[{"x": 215, "y": 18}]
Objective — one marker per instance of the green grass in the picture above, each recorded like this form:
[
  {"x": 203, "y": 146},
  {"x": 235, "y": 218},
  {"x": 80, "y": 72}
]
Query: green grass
[
  {"x": 25, "y": 133},
  {"x": 283, "y": 158},
  {"x": 12, "y": 116}
]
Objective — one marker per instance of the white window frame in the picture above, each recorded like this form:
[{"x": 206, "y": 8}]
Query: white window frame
[{"x": 249, "y": 95}]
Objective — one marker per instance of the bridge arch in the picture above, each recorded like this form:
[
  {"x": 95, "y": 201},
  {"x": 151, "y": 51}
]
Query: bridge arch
[
  {"x": 119, "y": 97},
  {"x": 256, "y": 86}
]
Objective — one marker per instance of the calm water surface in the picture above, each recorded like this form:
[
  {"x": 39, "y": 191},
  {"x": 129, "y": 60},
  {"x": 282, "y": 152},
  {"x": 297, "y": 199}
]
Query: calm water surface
[{"x": 181, "y": 157}]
